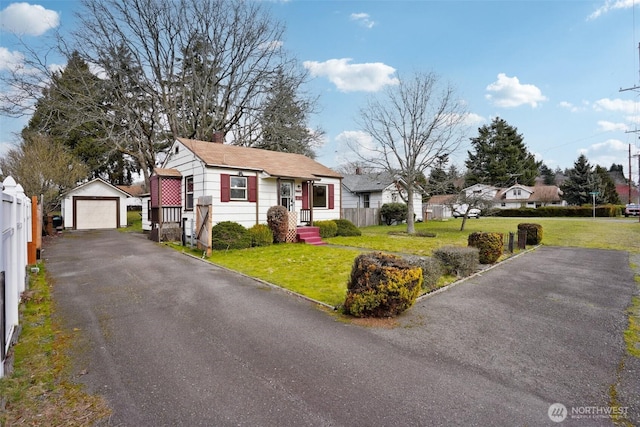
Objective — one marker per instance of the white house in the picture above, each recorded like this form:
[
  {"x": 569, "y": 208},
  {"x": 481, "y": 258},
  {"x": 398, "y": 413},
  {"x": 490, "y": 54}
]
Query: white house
[
  {"x": 376, "y": 189},
  {"x": 244, "y": 183},
  {"x": 94, "y": 205},
  {"x": 521, "y": 196}
]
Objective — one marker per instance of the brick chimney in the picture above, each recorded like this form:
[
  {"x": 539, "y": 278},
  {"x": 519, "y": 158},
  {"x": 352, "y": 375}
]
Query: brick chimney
[
  {"x": 218, "y": 137},
  {"x": 358, "y": 171}
]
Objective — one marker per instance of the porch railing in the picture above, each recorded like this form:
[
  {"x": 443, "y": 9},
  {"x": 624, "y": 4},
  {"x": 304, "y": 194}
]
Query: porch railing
[{"x": 305, "y": 215}]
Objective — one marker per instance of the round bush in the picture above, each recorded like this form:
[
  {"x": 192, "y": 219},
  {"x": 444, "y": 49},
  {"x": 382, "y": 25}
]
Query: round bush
[
  {"x": 489, "y": 245},
  {"x": 534, "y": 232},
  {"x": 393, "y": 212},
  {"x": 278, "y": 220},
  {"x": 346, "y": 228},
  {"x": 432, "y": 270},
  {"x": 230, "y": 235},
  {"x": 327, "y": 228},
  {"x": 261, "y": 235},
  {"x": 381, "y": 285}
]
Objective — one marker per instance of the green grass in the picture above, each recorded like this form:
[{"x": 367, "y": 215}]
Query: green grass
[
  {"x": 322, "y": 273},
  {"x": 38, "y": 392},
  {"x": 134, "y": 222}
]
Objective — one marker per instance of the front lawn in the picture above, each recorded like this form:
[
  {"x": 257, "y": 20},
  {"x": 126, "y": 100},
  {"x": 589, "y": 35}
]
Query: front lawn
[{"x": 322, "y": 272}]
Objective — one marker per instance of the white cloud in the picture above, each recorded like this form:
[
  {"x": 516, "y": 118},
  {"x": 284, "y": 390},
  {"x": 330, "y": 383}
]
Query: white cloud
[
  {"x": 618, "y": 105},
  {"x": 606, "y": 153},
  {"x": 10, "y": 61},
  {"x": 25, "y": 18},
  {"x": 272, "y": 46},
  {"x": 508, "y": 92},
  {"x": 573, "y": 108},
  {"x": 473, "y": 119},
  {"x": 611, "y": 5},
  {"x": 363, "y": 19},
  {"x": 612, "y": 127},
  {"x": 353, "y": 143},
  {"x": 367, "y": 77}
]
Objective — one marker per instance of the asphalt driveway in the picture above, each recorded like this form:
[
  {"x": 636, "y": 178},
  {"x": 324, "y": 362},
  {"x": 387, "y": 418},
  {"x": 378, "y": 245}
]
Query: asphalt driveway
[{"x": 170, "y": 340}]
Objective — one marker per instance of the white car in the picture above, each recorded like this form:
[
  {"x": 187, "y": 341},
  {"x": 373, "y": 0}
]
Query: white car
[{"x": 473, "y": 213}]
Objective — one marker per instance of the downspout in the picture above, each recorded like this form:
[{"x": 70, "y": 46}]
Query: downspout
[{"x": 257, "y": 199}]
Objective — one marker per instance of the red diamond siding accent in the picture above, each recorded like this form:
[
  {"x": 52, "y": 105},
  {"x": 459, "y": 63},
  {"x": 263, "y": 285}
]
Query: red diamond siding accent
[{"x": 171, "y": 192}]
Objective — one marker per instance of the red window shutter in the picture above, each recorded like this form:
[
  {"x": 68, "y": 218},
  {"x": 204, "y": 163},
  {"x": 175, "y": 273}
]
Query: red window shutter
[
  {"x": 253, "y": 188},
  {"x": 305, "y": 195},
  {"x": 330, "y": 187},
  {"x": 225, "y": 187}
]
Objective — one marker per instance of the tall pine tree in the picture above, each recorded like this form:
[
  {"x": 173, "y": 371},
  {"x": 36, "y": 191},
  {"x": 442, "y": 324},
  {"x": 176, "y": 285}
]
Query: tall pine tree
[
  {"x": 580, "y": 182},
  {"x": 500, "y": 157}
]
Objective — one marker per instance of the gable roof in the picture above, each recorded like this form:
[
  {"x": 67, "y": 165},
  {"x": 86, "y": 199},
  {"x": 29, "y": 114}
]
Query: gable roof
[
  {"x": 274, "y": 163},
  {"x": 365, "y": 183},
  {"x": 98, "y": 181},
  {"x": 538, "y": 193},
  {"x": 134, "y": 190}
]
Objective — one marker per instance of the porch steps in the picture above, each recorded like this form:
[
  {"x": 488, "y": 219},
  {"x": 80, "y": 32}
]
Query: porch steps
[{"x": 309, "y": 235}]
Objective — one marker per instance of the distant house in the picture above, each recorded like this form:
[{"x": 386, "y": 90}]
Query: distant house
[
  {"x": 516, "y": 196},
  {"x": 243, "y": 183},
  {"x": 376, "y": 189},
  {"x": 135, "y": 191},
  {"x": 521, "y": 196}
]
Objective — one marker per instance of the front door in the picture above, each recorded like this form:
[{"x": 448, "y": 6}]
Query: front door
[{"x": 287, "y": 195}]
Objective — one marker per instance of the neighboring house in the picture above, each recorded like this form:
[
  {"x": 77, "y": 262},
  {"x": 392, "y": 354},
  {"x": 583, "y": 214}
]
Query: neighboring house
[
  {"x": 521, "y": 196},
  {"x": 514, "y": 197},
  {"x": 440, "y": 206},
  {"x": 94, "y": 205},
  {"x": 135, "y": 191},
  {"x": 243, "y": 183},
  {"x": 374, "y": 190}
]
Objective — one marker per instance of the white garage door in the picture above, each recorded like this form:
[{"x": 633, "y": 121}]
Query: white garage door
[{"x": 92, "y": 214}]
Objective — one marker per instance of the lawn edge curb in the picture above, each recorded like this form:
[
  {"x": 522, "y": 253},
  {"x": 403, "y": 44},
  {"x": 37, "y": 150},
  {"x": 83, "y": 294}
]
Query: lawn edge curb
[{"x": 476, "y": 274}]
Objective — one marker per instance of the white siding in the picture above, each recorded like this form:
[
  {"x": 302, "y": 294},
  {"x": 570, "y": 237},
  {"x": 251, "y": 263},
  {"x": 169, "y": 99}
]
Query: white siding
[
  {"x": 95, "y": 188},
  {"x": 207, "y": 182}
]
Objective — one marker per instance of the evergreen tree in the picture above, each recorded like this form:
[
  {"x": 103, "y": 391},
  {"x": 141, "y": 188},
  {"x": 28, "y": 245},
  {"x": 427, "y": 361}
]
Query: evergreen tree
[
  {"x": 440, "y": 181},
  {"x": 548, "y": 176},
  {"x": 284, "y": 120},
  {"x": 61, "y": 114},
  {"x": 607, "y": 190},
  {"x": 580, "y": 182},
  {"x": 500, "y": 157}
]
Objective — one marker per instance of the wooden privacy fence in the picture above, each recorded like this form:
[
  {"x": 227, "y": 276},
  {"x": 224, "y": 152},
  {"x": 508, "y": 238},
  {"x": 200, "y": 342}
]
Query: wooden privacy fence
[
  {"x": 16, "y": 252},
  {"x": 362, "y": 217}
]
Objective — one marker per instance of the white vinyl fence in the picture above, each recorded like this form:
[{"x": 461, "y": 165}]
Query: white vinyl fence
[{"x": 15, "y": 217}]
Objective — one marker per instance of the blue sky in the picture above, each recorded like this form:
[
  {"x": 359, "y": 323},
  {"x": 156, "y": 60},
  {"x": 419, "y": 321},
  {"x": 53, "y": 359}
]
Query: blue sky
[{"x": 553, "y": 69}]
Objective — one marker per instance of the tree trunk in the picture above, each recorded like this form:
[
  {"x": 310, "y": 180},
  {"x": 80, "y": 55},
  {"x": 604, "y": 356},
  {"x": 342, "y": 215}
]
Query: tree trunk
[{"x": 411, "y": 229}]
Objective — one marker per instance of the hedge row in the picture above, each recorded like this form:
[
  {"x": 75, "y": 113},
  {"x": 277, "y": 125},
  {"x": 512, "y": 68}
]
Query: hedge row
[{"x": 559, "y": 211}]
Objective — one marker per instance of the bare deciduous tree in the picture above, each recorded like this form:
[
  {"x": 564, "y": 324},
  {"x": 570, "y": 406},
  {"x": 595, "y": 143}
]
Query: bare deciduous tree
[
  {"x": 44, "y": 168},
  {"x": 412, "y": 125}
]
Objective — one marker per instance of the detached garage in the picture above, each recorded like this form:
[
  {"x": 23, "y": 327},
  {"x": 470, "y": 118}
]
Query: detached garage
[{"x": 95, "y": 205}]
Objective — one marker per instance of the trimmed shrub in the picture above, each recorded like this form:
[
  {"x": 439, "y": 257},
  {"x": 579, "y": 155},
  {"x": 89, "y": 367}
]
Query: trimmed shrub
[
  {"x": 458, "y": 261},
  {"x": 278, "y": 220},
  {"x": 559, "y": 211},
  {"x": 261, "y": 235},
  {"x": 534, "y": 232},
  {"x": 381, "y": 285},
  {"x": 229, "y": 235},
  {"x": 489, "y": 245},
  {"x": 347, "y": 228},
  {"x": 327, "y": 228},
  {"x": 432, "y": 270},
  {"x": 393, "y": 212}
]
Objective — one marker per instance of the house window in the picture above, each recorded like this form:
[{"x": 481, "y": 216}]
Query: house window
[
  {"x": 517, "y": 192},
  {"x": 320, "y": 196},
  {"x": 366, "y": 200},
  {"x": 188, "y": 193},
  {"x": 238, "y": 188},
  {"x": 503, "y": 204}
]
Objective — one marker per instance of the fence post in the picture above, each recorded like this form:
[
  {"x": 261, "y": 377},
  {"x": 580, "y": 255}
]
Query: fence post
[
  {"x": 10, "y": 257},
  {"x": 21, "y": 238},
  {"x": 522, "y": 239},
  {"x": 511, "y": 240}
]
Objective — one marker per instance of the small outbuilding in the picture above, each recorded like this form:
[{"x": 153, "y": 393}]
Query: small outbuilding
[{"x": 95, "y": 205}]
